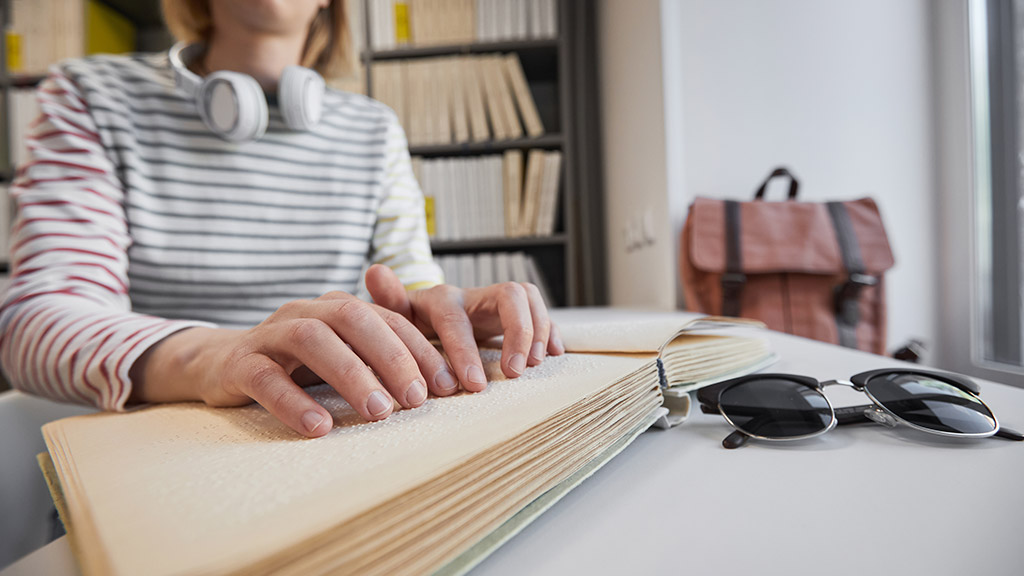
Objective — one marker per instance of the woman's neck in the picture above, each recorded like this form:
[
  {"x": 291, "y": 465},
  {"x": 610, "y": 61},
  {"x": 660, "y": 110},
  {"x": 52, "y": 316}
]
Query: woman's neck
[{"x": 262, "y": 56}]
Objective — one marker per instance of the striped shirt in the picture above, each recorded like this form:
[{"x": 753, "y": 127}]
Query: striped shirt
[{"x": 135, "y": 221}]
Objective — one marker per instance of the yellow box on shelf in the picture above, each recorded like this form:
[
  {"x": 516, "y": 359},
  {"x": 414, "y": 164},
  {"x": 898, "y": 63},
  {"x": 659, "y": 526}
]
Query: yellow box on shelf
[
  {"x": 107, "y": 31},
  {"x": 15, "y": 63}
]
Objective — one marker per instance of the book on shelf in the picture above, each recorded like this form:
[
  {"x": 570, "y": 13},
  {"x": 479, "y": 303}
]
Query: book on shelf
[
  {"x": 185, "y": 488},
  {"x": 24, "y": 109},
  {"x": 455, "y": 99},
  {"x": 487, "y": 196},
  {"x": 486, "y": 268},
  {"x": 46, "y": 31},
  {"x": 400, "y": 23}
]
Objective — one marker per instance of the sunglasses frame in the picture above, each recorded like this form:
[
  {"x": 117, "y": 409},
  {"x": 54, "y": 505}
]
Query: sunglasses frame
[{"x": 710, "y": 402}]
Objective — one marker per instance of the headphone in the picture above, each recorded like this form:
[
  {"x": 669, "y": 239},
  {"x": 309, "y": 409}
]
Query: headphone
[{"x": 233, "y": 105}]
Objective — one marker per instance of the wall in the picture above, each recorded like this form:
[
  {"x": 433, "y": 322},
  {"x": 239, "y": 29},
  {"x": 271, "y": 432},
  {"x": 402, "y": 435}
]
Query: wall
[
  {"x": 633, "y": 126},
  {"x": 839, "y": 91}
]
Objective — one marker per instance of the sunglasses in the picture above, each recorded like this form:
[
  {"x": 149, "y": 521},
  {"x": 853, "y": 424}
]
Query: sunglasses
[{"x": 791, "y": 407}]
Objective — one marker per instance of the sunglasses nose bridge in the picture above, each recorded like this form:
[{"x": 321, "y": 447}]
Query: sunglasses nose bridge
[
  {"x": 846, "y": 383},
  {"x": 877, "y": 415}
]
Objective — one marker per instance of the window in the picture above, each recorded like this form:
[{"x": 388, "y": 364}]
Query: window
[{"x": 997, "y": 78}]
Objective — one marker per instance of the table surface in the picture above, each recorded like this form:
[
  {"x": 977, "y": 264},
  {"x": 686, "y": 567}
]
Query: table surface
[{"x": 857, "y": 500}]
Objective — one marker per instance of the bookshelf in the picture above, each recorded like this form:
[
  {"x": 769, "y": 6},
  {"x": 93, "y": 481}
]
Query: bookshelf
[{"x": 558, "y": 70}]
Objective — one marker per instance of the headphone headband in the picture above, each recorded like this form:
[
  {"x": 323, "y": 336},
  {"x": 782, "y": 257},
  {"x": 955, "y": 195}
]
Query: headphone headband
[{"x": 185, "y": 79}]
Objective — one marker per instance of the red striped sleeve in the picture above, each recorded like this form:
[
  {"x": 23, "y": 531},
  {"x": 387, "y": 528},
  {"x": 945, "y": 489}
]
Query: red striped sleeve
[{"x": 66, "y": 326}]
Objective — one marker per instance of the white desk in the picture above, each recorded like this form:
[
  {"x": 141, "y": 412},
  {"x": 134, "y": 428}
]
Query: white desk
[{"x": 860, "y": 500}]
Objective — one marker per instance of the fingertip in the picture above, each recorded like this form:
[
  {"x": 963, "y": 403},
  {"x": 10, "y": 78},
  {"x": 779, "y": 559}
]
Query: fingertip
[
  {"x": 555, "y": 345},
  {"x": 379, "y": 406},
  {"x": 476, "y": 380},
  {"x": 445, "y": 383},
  {"x": 416, "y": 394},
  {"x": 515, "y": 366},
  {"x": 316, "y": 423},
  {"x": 537, "y": 353}
]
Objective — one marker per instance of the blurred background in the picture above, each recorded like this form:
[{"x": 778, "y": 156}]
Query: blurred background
[
  {"x": 631, "y": 109},
  {"x": 595, "y": 125}
]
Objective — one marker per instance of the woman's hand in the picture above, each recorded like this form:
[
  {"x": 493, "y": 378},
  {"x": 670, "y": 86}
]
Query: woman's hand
[
  {"x": 461, "y": 317},
  {"x": 336, "y": 338}
]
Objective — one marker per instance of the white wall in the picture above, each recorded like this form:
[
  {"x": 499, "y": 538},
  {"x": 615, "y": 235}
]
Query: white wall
[
  {"x": 633, "y": 131},
  {"x": 839, "y": 91}
]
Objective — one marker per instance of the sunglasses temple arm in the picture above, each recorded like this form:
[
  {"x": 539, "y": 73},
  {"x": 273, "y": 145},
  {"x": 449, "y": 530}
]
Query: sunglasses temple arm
[{"x": 1009, "y": 434}]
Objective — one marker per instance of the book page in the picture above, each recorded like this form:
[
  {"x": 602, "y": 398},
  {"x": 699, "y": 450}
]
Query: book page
[
  {"x": 185, "y": 488},
  {"x": 604, "y": 330},
  {"x": 619, "y": 330}
]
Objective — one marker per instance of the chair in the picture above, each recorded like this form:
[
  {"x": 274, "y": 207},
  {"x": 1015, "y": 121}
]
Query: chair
[{"x": 27, "y": 518}]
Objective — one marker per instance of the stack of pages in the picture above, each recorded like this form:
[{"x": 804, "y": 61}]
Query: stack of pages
[{"x": 184, "y": 488}]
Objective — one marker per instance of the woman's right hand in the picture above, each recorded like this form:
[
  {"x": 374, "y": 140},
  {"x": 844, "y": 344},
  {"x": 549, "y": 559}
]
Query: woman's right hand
[{"x": 335, "y": 338}]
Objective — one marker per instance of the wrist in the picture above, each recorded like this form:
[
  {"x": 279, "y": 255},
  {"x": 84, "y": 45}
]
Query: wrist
[{"x": 178, "y": 368}]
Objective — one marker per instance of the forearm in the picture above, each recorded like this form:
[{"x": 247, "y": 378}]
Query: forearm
[{"x": 179, "y": 368}]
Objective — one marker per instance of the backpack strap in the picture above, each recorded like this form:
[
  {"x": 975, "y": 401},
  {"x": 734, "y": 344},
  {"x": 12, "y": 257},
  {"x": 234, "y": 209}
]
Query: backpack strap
[
  {"x": 847, "y": 294},
  {"x": 733, "y": 279}
]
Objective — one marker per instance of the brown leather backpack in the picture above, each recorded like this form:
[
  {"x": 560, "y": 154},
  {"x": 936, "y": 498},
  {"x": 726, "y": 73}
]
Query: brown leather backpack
[{"x": 810, "y": 269}]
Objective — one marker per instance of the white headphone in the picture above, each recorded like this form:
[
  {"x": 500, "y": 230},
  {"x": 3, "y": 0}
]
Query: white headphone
[{"x": 232, "y": 104}]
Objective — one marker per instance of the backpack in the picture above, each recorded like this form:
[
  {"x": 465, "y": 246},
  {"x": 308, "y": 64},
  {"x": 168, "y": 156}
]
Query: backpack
[{"x": 810, "y": 269}]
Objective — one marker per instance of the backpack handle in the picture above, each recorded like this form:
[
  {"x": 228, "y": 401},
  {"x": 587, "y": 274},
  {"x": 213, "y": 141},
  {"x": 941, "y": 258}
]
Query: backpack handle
[{"x": 794, "y": 184}]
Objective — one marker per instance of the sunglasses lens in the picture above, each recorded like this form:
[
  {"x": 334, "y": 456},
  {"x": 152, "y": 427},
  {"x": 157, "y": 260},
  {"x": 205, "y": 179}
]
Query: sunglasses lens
[
  {"x": 776, "y": 408},
  {"x": 931, "y": 404}
]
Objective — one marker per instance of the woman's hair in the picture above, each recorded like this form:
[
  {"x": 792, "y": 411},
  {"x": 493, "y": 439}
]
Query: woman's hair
[{"x": 328, "y": 47}]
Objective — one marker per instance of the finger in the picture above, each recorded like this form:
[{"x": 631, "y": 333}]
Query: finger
[
  {"x": 517, "y": 327},
  {"x": 266, "y": 382},
  {"x": 555, "y": 345},
  {"x": 453, "y": 328},
  {"x": 314, "y": 344},
  {"x": 541, "y": 324},
  {"x": 361, "y": 327},
  {"x": 387, "y": 290},
  {"x": 440, "y": 379}
]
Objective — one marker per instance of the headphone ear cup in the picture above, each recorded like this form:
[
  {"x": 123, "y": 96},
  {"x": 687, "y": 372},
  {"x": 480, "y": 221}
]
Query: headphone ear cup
[
  {"x": 232, "y": 106},
  {"x": 301, "y": 96}
]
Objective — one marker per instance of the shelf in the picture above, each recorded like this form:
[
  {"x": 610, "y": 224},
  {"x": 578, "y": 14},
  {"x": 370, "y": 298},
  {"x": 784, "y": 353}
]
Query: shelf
[
  {"x": 546, "y": 44},
  {"x": 19, "y": 80},
  {"x": 497, "y": 243},
  {"x": 547, "y": 141},
  {"x": 144, "y": 14}
]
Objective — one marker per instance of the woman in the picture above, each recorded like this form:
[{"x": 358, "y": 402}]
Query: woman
[{"x": 166, "y": 250}]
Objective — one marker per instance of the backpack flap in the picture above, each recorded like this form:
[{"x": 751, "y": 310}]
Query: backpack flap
[{"x": 781, "y": 237}]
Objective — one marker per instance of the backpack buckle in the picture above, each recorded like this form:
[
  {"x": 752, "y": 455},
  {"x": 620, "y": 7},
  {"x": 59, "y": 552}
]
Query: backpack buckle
[{"x": 847, "y": 295}]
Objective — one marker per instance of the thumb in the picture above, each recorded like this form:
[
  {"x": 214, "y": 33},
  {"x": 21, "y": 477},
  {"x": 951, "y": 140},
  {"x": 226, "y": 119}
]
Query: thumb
[{"x": 387, "y": 290}]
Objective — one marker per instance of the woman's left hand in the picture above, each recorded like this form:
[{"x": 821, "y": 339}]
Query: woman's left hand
[{"x": 460, "y": 317}]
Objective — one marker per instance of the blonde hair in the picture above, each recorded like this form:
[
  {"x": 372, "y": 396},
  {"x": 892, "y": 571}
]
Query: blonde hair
[{"x": 328, "y": 47}]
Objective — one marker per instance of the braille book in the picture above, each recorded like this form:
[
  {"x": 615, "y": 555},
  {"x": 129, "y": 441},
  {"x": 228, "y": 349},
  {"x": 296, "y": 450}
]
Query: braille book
[{"x": 189, "y": 489}]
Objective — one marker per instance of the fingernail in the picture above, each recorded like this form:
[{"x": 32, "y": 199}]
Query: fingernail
[
  {"x": 445, "y": 381},
  {"x": 378, "y": 405},
  {"x": 476, "y": 375},
  {"x": 416, "y": 394},
  {"x": 559, "y": 345},
  {"x": 312, "y": 420},
  {"x": 537, "y": 352},
  {"x": 517, "y": 363}
]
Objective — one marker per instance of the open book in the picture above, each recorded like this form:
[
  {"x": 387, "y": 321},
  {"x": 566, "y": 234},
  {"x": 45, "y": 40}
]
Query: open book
[{"x": 183, "y": 488}]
